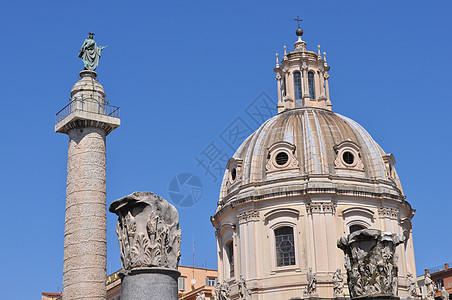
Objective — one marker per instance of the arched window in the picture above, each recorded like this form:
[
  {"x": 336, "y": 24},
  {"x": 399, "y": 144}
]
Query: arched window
[
  {"x": 285, "y": 248},
  {"x": 284, "y": 86},
  {"x": 297, "y": 84},
  {"x": 230, "y": 253},
  {"x": 354, "y": 228},
  {"x": 311, "y": 85}
]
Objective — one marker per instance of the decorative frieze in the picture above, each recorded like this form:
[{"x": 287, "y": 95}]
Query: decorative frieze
[
  {"x": 388, "y": 212},
  {"x": 248, "y": 216},
  {"x": 321, "y": 208}
]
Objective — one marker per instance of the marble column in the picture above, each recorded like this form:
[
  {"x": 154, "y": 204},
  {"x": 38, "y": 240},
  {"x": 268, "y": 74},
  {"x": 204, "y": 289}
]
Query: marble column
[
  {"x": 149, "y": 241},
  {"x": 85, "y": 230},
  {"x": 85, "y": 234}
]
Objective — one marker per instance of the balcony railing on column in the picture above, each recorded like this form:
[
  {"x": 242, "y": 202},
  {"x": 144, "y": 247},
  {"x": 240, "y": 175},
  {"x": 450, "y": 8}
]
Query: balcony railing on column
[{"x": 88, "y": 105}]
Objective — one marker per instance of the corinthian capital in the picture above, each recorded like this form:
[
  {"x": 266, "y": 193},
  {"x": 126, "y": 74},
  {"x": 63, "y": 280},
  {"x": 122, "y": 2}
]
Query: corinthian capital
[{"x": 148, "y": 231}]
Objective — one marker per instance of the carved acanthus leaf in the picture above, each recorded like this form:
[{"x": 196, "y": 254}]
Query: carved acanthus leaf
[
  {"x": 148, "y": 231},
  {"x": 371, "y": 262}
]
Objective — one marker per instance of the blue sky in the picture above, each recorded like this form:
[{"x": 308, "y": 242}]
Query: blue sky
[{"x": 182, "y": 72}]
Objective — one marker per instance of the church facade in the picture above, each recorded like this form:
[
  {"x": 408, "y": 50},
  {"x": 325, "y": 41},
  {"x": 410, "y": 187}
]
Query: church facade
[{"x": 305, "y": 178}]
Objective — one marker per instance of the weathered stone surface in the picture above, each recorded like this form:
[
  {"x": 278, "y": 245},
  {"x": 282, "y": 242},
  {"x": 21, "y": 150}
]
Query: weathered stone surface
[
  {"x": 311, "y": 289},
  {"x": 222, "y": 291},
  {"x": 201, "y": 296},
  {"x": 412, "y": 286},
  {"x": 149, "y": 284},
  {"x": 371, "y": 263},
  {"x": 85, "y": 251},
  {"x": 444, "y": 294},
  {"x": 431, "y": 287},
  {"x": 244, "y": 293},
  {"x": 148, "y": 231},
  {"x": 81, "y": 290},
  {"x": 338, "y": 284}
]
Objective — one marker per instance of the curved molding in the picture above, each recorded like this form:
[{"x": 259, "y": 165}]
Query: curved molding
[
  {"x": 226, "y": 226},
  {"x": 358, "y": 210},
  {"x": 283, "y": 223},
  {"x": 349, "y": 144},
  {"x": 282, "y": 144},
  {"x": 358, "y": 222},
  {"x": 281, "y": 211}
]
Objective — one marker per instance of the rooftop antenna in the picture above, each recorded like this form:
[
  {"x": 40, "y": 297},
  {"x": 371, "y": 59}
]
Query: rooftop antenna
[{"x": 193, "y": 258}]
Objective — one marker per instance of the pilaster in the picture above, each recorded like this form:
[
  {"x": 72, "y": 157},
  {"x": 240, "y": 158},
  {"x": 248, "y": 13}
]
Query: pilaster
[{"x": 322, "y": 213}]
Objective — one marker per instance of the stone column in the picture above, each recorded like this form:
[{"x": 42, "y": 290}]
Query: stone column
[
  {"x": 288, "y": 100},
  {"x": 322, "y": 96},
  {"x": 85, "y": 230},
  {"x": 306, "y": 96},
  {"x": 149, "y": 241},
  {"x": 85, "y": 234},
  {"x": 318, "y": 90}
]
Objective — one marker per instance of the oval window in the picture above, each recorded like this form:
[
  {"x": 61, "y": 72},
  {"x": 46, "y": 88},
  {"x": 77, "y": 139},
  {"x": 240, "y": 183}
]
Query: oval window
[
  {"x": 281, "y": 158},
  {"x": 348, "y": 157},
  {"x": 233, "y": 174}
]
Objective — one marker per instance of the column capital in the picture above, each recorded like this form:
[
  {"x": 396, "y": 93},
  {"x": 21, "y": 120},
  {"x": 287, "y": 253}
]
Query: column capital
[
  {"x": 320, "y": 208},
  {"x": 148, "y": 231}
]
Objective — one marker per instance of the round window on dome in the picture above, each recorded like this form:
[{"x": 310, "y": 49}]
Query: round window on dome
[
  {"x": 281, "y": 158},
  {"x": 348, "y": 157},
  {"x": 233, "y": 174}
]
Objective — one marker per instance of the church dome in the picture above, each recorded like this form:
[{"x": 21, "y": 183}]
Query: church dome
[
  {"x": 305, "y": 144},
  {"x": 305, "y": 178}
]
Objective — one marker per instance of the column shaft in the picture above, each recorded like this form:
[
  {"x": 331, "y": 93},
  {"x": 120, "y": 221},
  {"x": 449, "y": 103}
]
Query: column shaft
[{"x": 85, "y": 235}]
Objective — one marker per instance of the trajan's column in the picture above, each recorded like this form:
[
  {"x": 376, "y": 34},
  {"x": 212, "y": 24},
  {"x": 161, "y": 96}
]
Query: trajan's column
[{"x": 87, "y": 120}]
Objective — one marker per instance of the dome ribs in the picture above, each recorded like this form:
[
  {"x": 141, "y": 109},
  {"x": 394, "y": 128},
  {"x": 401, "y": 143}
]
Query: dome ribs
[
  {"x": 321, "y": 141},
  {"x": 315, "y": 133},
  {"x": 368, "y": 145}
]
